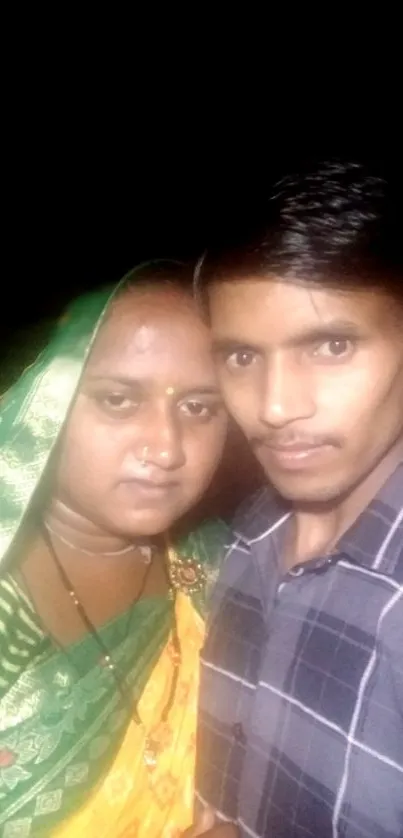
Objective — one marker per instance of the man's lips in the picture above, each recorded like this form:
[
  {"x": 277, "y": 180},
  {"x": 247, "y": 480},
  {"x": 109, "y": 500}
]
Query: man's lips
[
  {"x": 292, "y": 455},
  {"x": 294, "y": 447}
]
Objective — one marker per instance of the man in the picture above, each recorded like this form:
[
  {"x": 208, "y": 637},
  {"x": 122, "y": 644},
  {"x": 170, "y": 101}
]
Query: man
[{"x": 301, "y": 721}]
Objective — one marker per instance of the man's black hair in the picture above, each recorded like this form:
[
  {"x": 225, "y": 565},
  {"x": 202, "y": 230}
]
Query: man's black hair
[{"x": 334, "y": 225}]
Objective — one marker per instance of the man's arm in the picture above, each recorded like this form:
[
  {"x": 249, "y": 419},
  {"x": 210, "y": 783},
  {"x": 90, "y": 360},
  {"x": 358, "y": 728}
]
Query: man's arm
[{"x": 207, "y": 827}]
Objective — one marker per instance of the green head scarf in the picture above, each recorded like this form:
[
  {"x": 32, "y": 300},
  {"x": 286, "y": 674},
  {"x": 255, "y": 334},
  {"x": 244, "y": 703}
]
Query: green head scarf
[{"x": 34, "y": 409}]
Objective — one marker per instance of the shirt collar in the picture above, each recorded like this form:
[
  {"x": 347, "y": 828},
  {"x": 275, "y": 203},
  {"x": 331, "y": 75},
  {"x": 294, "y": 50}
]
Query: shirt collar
[{"x": 374, "y": 540}]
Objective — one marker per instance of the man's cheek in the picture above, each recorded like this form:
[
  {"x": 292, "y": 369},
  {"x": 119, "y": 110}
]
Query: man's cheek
[{"x": 241, "y": 407}]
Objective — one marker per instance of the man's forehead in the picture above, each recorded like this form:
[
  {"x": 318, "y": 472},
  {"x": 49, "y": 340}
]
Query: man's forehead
[{"x": 256, "y": 300}]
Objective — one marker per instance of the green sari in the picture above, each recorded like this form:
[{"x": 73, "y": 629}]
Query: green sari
[{"x": 62, "y": 723}]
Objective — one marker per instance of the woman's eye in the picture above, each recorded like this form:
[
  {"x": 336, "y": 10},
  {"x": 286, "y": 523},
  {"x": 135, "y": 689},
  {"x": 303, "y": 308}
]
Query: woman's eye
[
  {"x": 116, "y": 402},
  {"x": 336, "y": 348},
  {"x": 241, "y": 358}
]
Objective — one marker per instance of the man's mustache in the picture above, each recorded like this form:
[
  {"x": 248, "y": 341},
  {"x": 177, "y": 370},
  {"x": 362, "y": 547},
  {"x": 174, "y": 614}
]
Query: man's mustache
[{"x": 285, "y": 440}]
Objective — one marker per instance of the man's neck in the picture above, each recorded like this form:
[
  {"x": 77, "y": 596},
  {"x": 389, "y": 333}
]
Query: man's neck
[{"x": 316, "y": 530}]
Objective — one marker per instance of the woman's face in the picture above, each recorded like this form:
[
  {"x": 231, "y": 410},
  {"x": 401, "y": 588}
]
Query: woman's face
[{"x": 148, "y": 426}]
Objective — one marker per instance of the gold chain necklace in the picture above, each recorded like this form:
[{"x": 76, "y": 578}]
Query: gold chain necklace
[
  {"x": 153, "y": 743},
  {"x": 144, "y": 550}
]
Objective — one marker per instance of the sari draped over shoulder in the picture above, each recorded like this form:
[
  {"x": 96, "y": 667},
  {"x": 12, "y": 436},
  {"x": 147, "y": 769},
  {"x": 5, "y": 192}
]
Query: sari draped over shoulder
[{"x": 71, "y": 752}]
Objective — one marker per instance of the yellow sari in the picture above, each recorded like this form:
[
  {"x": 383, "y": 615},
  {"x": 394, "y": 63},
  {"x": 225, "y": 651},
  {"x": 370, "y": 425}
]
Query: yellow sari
[{"x": 133, "y": 801}]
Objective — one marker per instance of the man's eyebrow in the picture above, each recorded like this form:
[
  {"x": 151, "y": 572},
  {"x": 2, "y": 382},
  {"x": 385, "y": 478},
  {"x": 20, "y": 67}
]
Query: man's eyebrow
[
  {"x": 224, "y": 345},
  {"x": 334, "y": 329},
  {"x": 311, "y": 334}
]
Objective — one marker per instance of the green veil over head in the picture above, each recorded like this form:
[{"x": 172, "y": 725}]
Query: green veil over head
[{"x": 34, "y": 409}]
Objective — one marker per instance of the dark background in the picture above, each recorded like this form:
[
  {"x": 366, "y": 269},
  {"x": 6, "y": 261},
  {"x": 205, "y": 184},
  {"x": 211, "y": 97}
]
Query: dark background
[
  {"x": 138, "y": 136},
  {"x": 87, "y": 195},
  {"x": 85, "y": 199},
  {"x": 82, "y": 213}
]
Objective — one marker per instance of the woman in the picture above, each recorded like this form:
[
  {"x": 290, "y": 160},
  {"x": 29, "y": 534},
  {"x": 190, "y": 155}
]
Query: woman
[{"x": 106, "y": 442}]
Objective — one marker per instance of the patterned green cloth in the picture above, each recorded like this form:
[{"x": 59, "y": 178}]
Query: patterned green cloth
[{"x": 61, "y": 717}]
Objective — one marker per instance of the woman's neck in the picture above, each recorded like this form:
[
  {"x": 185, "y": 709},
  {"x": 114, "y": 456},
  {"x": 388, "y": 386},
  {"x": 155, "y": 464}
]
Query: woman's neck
[{"x": 82, "y": 534}]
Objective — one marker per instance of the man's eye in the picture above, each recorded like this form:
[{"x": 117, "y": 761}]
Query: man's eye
[
  {"x": 241, "y": 358},
  {"x": 195, "y": 409},
  {"x": 334, "y": 349}
]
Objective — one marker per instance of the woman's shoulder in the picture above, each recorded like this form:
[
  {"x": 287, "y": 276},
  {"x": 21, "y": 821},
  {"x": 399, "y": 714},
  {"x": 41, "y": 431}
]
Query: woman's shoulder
[
  {"x": 199, "y": 556},
  {"x": 22, "y": 639},
  {"x": 205, "y": 543}
]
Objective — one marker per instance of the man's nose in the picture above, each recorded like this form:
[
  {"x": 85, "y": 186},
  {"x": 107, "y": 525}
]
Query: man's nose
[{"x": 286, "y": 394}]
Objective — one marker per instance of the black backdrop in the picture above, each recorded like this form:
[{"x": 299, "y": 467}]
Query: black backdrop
[{"x": 83, "y": 205}]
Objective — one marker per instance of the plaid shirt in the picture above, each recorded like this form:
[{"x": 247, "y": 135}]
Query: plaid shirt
[{"x": 301, "y": 712}]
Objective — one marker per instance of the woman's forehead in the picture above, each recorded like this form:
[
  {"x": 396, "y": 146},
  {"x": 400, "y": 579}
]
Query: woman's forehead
[{"x": 147, "y": 330}]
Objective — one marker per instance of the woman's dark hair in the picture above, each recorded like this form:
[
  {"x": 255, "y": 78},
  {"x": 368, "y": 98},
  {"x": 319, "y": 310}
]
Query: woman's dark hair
[{"x": 335, "y": 224}]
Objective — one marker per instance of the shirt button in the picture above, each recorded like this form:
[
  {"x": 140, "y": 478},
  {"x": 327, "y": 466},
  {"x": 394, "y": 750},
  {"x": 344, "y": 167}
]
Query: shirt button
[
  {"x": 238, "y": 733},
  {"x": 297, "y": 571},
  {"x": 322, "y": 565}
]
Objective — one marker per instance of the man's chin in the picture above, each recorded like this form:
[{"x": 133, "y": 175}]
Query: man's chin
[{"x": 305, "y": 492}]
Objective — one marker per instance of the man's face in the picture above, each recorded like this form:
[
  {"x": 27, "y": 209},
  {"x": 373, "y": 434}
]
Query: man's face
[{"x": 313, "y": 377}]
